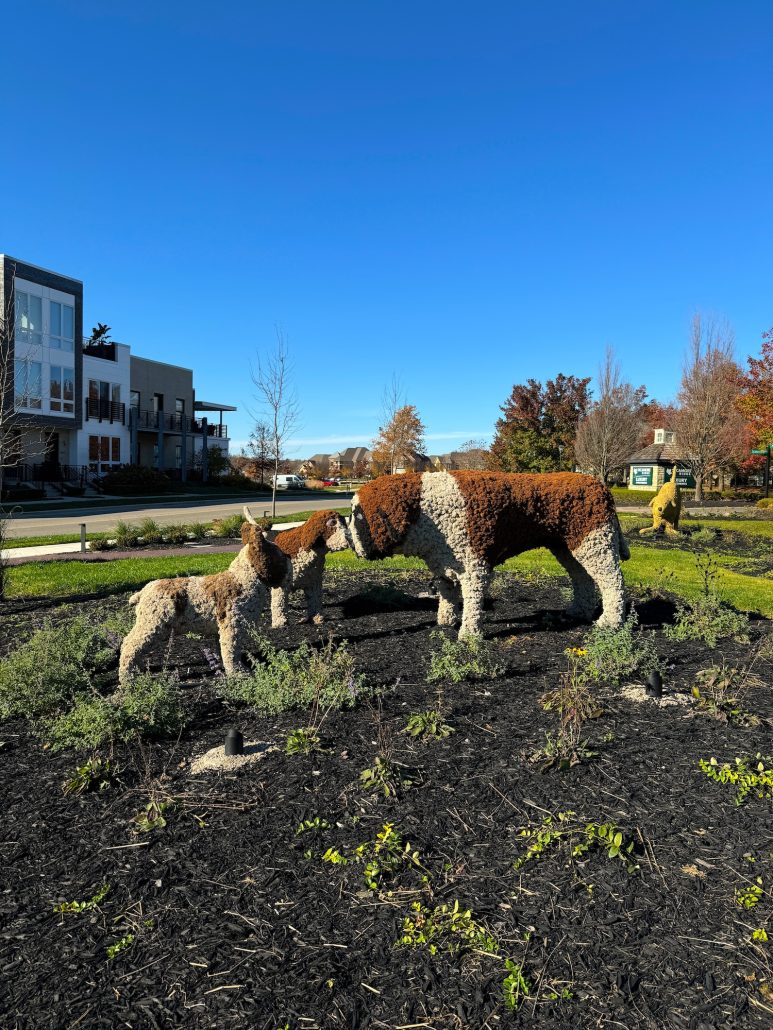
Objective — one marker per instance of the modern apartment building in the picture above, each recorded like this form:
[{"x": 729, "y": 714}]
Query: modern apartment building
[{"x": 85, "y": 407}]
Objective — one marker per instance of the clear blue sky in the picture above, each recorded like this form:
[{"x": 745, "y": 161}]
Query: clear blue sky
[{"x": 467, "y": 194}]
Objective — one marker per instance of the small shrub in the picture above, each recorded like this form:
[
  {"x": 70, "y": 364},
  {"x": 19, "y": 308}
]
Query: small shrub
[
  {"x": 382, "y": 859},
  {"x": 716, "y": 693},
  {"x": 52, "y": 667},
  {"x": 99, "y": 543},
  {"x": 134, "y": 479},
  {"x": 302, "y": 741},
  {"x": 198, "y": 530},
  {"x": 428, "y": 724},
  {"x": 95, "y": 774},
  {"x": 148, "y": 707},
  {"x": 515, "y": 986},
  {"x": 127, "y": 535},
  {"x": 468, "y": 658},
  {"x": 228, "y": 528},
  {"x": 151, "y": 532},
  {"x": 616, "y": 655},
  {"x": 280, "y": 680},
  {"x": 177, "y": 533},
  {"x": 382, "y": 777},
  {"x": 447, "y": 927},
  {"x": 706, "y": 617},
  {"x": 552, "y": 832},
  {"x": 742, "y": 776},
  {"x": 765, "y": 502}
]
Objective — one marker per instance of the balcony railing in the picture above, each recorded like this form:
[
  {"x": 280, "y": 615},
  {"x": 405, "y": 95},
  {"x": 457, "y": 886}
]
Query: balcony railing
[
  {"x": 152, "y": 421},
  {"x": 106, "y": 351},
  {"x": 105, "y": 411}
]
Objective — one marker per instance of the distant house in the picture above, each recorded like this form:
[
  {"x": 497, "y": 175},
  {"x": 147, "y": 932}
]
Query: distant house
[
  {"x": 417, "y": 462},
  {"x": 650, "y": 467},
  {"x": 318, "y": 465},
  {"x": 353, "y": 461}
]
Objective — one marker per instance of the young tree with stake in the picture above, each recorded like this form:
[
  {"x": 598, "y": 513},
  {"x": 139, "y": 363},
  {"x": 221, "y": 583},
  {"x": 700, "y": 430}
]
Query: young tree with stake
[{"x": 276, "y": 396}]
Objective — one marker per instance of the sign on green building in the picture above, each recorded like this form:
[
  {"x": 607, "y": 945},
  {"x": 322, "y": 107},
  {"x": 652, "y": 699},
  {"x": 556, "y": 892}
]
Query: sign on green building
[
  {"x": 683, "y": 478},
  {"x": 641, "y": 475}
]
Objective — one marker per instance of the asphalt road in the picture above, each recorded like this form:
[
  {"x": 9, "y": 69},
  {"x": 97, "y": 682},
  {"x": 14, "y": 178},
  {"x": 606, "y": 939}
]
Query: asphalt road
[{"x": 101, "y": 520}]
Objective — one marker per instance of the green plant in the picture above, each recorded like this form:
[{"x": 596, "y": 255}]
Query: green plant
[
  {"x": 57, "y": 663},
  {"x": 83, "y": 906},
  {"x": 123, "y": 944},
  {"x": 383, "y": 777},
  {"x": 96, "y": 773},
  {"x": 760, "y": 935},
  {"x": 617, "y": 655},
  {"x": 126, "y": 535},
  {"x": 446, "y": 927},
  {"x": 750, "y": 896},
  {"x": 316, "y": 823},
  {"x": 229, "y": 527},
  {"x": 575, "y": 704},
  {"x": 515, "y": 986},
  {"x": 428, "y": 724},
  {"x": 153, "y": 817},
  {"x": 198, "y": 530},
  {"x": 148, "y": 706},
  {"x": 552, "y": 832},
  {"x": 280, "y": 680},
  {"x": 759, "y": 780},
  {"x": 382, "y": 858},
  {"x": 99, "y": 542},
  {"x": 706, "y": 617},
  {"x": 151, "y": 532},
  {"x": 468, "y": 658},
  {"x": 302, "y": 742},
  {"x": 177, "y": 533},
  {"x": 716, "y": 690}
]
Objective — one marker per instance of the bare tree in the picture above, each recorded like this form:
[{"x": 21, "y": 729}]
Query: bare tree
[
  {"x": 608, "y": 435},
  {"x": 277, "y": 398},
  {"x": 259, "y": 450},
  {"x": 392, "y": 400},
  {"x": 709, "y": 427},
  {"x": 473, "y": 454}
]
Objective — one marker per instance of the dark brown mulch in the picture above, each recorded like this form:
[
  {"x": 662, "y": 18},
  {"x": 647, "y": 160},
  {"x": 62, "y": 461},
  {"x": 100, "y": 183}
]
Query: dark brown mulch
[{"x": 250, "y": 928}]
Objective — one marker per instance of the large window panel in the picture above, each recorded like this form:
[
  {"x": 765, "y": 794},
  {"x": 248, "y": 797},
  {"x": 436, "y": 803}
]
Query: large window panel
[
  {"x": 68, "y": 390},
  {"x": 55, "y": 388},
  {"x": 28, "y": 384},
  {"x": 29, "y": 318},
  {"x": 60, "y": 325}
]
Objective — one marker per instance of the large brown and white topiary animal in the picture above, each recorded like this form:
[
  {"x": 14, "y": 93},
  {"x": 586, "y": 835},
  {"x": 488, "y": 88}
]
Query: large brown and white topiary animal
[
  {"x": 223, "y": 606},
  {"x": 306, "y": 547},
  {"x": 464, "y": 523}
]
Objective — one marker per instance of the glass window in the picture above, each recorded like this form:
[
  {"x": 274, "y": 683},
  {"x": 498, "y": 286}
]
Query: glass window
[
  {"x": 55, "y": 322},
  {"x": 68, "y": 324},
  {"x": 179, "y": 406},
  {"x": 104, "y": 448},
  {"x": 115, "y": 393},
  {"x": 93, "y": 448},
  {"x": 93, "y": 390},
  {"x": 68, "y": 390},
  {"x": 29, "y": 318},
  {"x": 28, "y": 383},
  {"x": 55, "y": 379},
  {"x": 178, "y": 456},
  {"x": 134, "y": 399},
  {"x": 60, "y": 325},
  {"x": 116, "y": 448}
]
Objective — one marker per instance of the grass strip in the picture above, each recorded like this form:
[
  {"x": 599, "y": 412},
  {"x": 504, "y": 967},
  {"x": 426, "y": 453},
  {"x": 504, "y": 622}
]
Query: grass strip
[{"x": 645, "y": 568}]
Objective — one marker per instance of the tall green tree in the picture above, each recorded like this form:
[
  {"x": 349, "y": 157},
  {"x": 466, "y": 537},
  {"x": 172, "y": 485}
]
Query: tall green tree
[{"x": 538, "y": 427}]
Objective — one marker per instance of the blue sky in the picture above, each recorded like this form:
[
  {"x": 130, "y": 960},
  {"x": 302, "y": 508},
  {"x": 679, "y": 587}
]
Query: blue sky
[{"x": 465, "y": 194}]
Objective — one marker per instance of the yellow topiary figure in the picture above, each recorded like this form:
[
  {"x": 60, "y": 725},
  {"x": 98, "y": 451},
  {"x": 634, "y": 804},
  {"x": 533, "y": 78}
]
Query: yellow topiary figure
[{"x": 666, "y": 508}]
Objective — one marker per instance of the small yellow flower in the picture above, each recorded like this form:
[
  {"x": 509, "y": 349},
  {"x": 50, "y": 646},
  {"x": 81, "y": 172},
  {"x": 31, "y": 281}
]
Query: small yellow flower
[{"x": 576, "y": 652}]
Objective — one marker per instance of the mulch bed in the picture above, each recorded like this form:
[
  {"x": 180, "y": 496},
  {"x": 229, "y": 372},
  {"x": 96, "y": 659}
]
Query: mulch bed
[{"x": 250, "y": 928}]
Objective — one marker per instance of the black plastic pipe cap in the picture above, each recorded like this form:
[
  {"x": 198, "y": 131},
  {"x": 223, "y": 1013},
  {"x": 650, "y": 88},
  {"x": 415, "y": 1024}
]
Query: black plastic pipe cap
[
  {"x": 654, "y": 684},
  {"x": 234, "y": 743}
]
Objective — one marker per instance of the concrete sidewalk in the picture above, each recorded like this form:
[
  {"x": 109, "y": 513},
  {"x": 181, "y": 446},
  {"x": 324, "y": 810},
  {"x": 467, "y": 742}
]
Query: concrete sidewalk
[{"x": 49, "y": 552}]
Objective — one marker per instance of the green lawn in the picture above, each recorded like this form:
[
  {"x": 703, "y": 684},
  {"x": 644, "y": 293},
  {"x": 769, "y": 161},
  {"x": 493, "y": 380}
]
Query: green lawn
[{"x": 646, "y": 566}]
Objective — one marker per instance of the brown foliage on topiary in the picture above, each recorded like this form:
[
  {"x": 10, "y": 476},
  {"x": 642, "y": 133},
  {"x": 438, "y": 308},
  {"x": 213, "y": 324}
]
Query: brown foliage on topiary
[
  {"x": 223, "y": 589},
  {"x": 508, "y": 513},
  {"x": 390, "y": 505},
  {"x": 264, "y": 556},
  {"x": 315, "y": 531}
]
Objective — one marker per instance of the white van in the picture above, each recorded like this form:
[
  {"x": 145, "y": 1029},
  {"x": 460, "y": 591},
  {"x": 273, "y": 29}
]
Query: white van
[{"x": 287, "y": 482}]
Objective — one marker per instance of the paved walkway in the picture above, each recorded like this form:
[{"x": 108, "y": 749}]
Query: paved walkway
[{"x": 54, "y": 552}]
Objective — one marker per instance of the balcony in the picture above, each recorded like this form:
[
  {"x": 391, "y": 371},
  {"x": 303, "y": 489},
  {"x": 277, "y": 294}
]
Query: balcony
[
  {"x": 105, "y": 411},
  {"x": 152, "y": 421},
  {"x": 106, "y": 351}
]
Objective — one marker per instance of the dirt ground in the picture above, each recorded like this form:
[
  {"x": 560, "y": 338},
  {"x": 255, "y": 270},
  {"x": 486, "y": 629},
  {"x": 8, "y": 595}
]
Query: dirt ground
[{"x": 237, "y": 921}]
